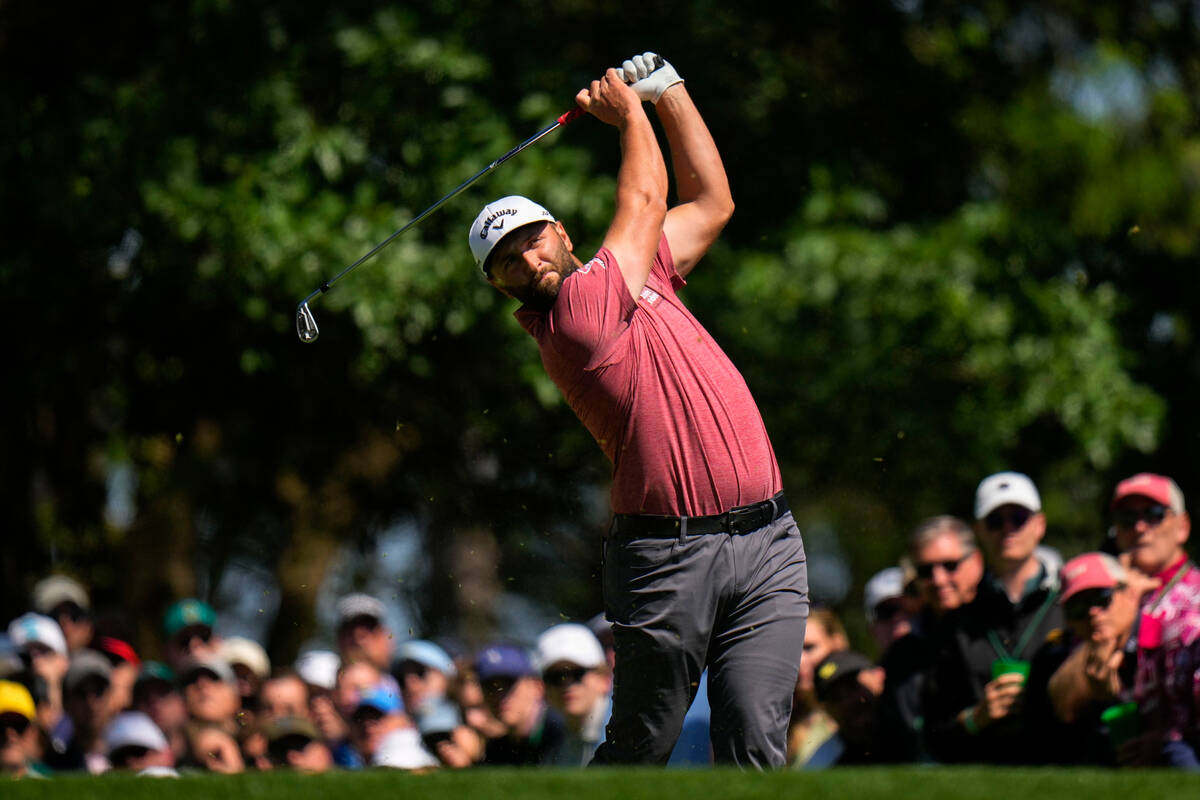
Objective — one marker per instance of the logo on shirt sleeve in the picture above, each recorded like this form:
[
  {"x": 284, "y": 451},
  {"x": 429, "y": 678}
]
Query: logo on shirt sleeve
[{"x": 650, "y": 296}]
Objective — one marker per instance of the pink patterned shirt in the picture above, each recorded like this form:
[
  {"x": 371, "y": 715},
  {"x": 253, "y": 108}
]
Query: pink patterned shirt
[
  {"x": 1167, "y": 687},
  {"x": 656, "y": 392}
]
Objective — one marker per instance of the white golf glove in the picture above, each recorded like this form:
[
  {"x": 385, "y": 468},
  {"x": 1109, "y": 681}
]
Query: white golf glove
[{"x": 648, "y": 81}]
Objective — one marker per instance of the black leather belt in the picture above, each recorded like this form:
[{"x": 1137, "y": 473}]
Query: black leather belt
[{"x": 736, "y": 521}]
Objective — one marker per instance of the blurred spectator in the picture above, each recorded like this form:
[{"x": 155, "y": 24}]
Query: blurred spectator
[
  {"x": 125, "y": 667},
  {"x": 361, "y": 632},
  {"x": 213, "y": 748},
  {"x": 66, "y": 602},
  {"x": 188, "y": 627},
  {"x": 250, "y": 666},
  {"x": 513, "y": 692},
  {"x": 284, "y": 694},
  {"x": 888, "y": 607},
  {"x": 810, "y": 724},
  {"x": 1088, "y": 669},
  {"x": 384, "y": 735},
  {"x": 973, "y": 697},
  {"x": 1152, "y": 526},
  {"x": 156, "y": 695},
  {"x": 295, "y": 742},
  {"x": 947, "y": 566},
  {"x": 578, "y": 686},
  {"x": 42, "y": 645},
  {"x": 19, "y": 746},
  {"x": 849, "y": 687},
  {"x": 319, "y": 669},
  {"x": 10, "y": 658},
  {"x": 135, "y": 743},
  {"x": 210, "y": 692},
  {"x": 445, "y": 735},
  {"x": 947, "y": 563},
  {"x": 469, "y": 695},
  {"x": 424, "y": 672},
  {"x": 86, "y": 702}
]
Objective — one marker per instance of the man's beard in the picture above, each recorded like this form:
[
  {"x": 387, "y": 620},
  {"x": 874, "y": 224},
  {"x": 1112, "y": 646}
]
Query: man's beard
[{"x": 537, "y": 296}]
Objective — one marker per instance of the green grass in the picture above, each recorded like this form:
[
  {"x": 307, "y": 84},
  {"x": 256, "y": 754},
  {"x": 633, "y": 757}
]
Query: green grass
[{"x": 893, "y": 783}]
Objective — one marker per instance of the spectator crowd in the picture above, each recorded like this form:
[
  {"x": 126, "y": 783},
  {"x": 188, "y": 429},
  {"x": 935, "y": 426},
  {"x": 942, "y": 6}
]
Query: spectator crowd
[{"x": 992, "y": 651}]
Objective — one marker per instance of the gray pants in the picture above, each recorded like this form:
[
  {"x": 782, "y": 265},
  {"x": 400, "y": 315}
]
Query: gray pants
[{"x": 736, "y": 604}]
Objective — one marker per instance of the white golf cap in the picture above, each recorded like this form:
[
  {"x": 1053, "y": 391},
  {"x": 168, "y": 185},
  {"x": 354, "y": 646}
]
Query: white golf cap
[
  {"x": 1005, "y": 488},
  {"x": 319, "y": 668},
  {"x": 569, "y": 642},
  {"x": 247, "y": 652},
  {"x": 29, "y": 628},
  {"x": 134, "y": 729},
  {"x": 887, "y": 584},
  {"x": 55, "y": 589},
  {"x": 358, "y": 604},
  {"x": 500, "y": 218}
]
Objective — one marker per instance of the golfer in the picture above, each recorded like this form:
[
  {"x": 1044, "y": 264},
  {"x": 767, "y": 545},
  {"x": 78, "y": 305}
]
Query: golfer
[{"x": 703, "y": 565}]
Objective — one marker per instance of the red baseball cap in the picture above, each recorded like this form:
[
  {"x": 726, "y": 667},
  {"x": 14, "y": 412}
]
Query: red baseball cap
[
  {"x": 1159, "y": 488},
  {"x": 1090, "y": 571}
]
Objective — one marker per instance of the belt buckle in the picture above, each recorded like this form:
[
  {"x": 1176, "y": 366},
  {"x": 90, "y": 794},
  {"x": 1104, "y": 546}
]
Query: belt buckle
[{"x": 742, "y": 520}]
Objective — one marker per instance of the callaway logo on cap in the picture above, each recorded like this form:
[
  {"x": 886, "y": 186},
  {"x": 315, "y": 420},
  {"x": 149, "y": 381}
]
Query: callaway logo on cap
[{"x": 500, "y": 218}]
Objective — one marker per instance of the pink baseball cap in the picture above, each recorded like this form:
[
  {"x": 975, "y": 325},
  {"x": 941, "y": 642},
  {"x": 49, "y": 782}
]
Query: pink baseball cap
[
  {"x": 1090, "y": 571},
  {"x": 1159, "y": 488}
]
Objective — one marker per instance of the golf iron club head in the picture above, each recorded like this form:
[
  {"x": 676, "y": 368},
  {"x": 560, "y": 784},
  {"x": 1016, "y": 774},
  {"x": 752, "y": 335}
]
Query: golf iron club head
[{"x": 306, "y": 324}]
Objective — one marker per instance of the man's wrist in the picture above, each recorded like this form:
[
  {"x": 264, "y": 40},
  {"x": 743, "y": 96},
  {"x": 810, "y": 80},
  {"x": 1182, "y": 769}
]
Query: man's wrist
[{"x": 966, "y": 718}]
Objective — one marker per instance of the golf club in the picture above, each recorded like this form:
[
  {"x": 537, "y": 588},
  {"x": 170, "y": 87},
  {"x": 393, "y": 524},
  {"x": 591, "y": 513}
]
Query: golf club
[{"x": 306, "y": 323}]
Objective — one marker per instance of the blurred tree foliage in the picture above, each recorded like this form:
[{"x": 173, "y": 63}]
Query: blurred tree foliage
[{"x": 965, "y": 241}]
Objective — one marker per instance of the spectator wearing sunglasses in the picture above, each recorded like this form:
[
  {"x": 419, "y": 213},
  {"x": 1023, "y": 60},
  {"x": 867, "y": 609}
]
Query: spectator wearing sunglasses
[
  {"x": 1088, "y": 669},
  {"x": 19, "y": 745},
  {"x": 424, "y": 672},
  {"x": 188, "y": 627},
  {"x": 514, "y": 694},
  {"x": 1152, "y": 526},
  {"x": 947, "y": 567},
  {"x": 578, "y": 686},
  {"x": 974, "y": 692}
]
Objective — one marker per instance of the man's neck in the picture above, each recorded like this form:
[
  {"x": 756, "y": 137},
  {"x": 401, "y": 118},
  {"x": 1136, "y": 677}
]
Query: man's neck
[{"x": 1015, "y": 578}]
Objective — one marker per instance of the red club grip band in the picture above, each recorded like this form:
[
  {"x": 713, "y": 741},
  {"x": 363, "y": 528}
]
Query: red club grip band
[{"x": 570, "y": 116}]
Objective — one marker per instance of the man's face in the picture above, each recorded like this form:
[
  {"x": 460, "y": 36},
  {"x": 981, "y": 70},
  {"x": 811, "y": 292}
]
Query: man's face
[
  {"x": 88, "y": 704},
  {"x": 818, "y": 643},
  {"x": 18, "y": 742},
  {"x": 366, "y": 637},
  {"x": 1009, "y": 535},
  {"x": 1089, "y": 614},
  {"x": 161, "y": 702},
  {"x": 76, "y": 624},
  {"x": 513, "y": 701},
  {"x": 191, "y": 642},
  {"x": 1151, "y": 533},
  {"x": 419, "y": 683},
  {"x": 531, "y": 263},
  {"x": 285, "y": 696},
  {"x": 575, "y": 690},
  {"x": 368, "y": 726},
  {"x": 947, "y": 573},
  {"x": 209, "y": 698}
]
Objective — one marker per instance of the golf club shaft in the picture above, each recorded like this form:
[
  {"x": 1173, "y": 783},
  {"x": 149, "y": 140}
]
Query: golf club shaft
[{"x": 565, "y": 119}]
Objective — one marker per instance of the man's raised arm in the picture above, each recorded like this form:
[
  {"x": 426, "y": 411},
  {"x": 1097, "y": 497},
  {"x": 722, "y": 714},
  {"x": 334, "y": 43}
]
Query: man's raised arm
[
  {"x": 705, "y": 202},
  {"x": 641, "y": 202}
]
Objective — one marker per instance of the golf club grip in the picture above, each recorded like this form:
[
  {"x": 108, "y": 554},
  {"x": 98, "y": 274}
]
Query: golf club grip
[{"x": 576, "y": 113}]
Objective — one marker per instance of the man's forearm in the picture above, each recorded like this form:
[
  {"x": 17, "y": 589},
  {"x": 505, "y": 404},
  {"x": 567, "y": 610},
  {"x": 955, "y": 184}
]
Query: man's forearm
[{"x": 699, "y": 172}]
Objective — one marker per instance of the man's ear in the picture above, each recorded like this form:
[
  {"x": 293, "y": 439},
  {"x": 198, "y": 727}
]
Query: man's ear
[{"x": 562, "y": 232}]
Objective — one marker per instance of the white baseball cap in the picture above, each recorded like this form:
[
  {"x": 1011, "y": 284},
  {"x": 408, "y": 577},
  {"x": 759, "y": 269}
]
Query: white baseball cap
[
  {"x": 887, "y": 584},
  {"x": 240, "y": 650},
  {"x": 500, "y": 218},
  {"x": 318, "y": 667},
  {"x": 134, "y": 729},
  {"x": 1006, "y": 488},
  {"x": 37, "y": 628},
  {"x": 572, "y": 643}
]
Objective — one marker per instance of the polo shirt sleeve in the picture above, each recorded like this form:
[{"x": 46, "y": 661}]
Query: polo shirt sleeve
[{"x": 593, "y": 310}]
